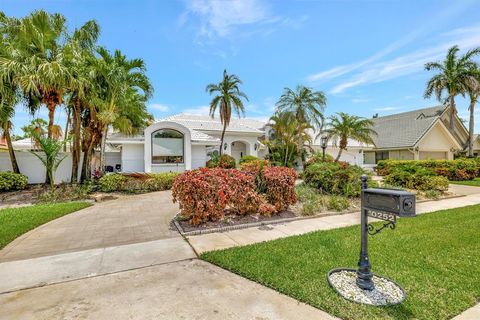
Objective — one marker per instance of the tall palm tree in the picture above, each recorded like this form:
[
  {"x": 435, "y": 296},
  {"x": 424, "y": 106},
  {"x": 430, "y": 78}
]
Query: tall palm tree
[
  {"x": 79, "y": 51},
  {"x": 453, "y": 77},
  {"x": 228, "y": 96},
  {"x": 307, "y": 105},
  {"x": 8, "y": 87},
  {"x": 473, "y": 91},
  {"x": 342, "y": 127},
  {"x": 119, "y": 79},
  {"x": 41, "y": 71}
]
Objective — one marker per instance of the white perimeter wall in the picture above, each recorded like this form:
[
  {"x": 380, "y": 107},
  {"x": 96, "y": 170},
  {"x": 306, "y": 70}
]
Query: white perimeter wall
[
  {"x": 133, "y": 158},
  {"x": 33, "y": 168}
]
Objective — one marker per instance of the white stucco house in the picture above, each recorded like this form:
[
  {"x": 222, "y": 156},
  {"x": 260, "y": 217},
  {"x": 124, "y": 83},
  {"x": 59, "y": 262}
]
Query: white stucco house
[{"x": 183, "y": 142}]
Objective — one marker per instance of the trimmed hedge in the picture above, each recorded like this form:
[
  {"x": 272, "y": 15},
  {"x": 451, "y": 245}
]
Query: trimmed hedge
[
  {"x": 137, "y": 182},
  {"x": 12, "y": 181},
  {"x": 205, "y": 194},
  {"x": 458, "y": 170}
]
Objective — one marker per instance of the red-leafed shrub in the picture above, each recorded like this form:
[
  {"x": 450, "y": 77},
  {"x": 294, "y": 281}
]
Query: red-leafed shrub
[
  {"x": 205, "y": 194},
  {"x": 279, "y": 184}
]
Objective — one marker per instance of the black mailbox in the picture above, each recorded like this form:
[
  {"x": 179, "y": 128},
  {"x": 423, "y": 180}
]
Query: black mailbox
[{"x": 395, "y": 201}]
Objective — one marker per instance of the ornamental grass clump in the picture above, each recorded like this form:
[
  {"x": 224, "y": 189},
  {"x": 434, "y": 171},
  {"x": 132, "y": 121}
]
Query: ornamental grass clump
[{"x": 205, "y": 194}]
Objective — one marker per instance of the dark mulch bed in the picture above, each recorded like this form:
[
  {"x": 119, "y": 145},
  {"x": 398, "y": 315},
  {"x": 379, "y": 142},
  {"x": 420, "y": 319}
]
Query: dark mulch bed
[{"x": 230, "y": 219}]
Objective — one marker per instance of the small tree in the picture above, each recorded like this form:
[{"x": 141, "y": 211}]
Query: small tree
[{"x": 51, "y": 158}]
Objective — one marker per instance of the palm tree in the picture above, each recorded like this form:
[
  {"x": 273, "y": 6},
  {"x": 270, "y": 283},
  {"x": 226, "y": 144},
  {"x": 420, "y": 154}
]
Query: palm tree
[
  {"x": 284, "y": 141},
  {"x": 51, "y": 158},
  {"x": 307, "y": 105},
  {"x": 8, "y": 88},
  {"x": 473, "y": 91},
  {"x": 455, "y": 74},
  {"x": 342, "y": 127},
  {"x": 40, "y": 67},
  {"x": 228, "y": 96},
  {"x": 79, "y": 51},
  {"x": 7, "y": 110},
  {"x": 119, "y": 79}
]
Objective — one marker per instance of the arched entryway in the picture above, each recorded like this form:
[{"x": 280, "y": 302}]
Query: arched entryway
[{"x": 238, "y": 150}]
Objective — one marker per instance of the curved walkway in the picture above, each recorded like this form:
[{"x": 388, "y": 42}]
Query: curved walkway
[{"x": 129, "y": 219}]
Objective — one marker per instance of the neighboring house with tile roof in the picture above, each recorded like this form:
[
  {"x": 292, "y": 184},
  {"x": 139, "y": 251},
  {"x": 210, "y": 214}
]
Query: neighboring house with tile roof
[
  {"x": 417, "y": 135},
  {"x": 183, "y": 142}
]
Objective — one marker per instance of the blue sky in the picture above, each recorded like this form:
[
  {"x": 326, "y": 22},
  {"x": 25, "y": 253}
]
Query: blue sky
[{"x": 367, "y": 56}]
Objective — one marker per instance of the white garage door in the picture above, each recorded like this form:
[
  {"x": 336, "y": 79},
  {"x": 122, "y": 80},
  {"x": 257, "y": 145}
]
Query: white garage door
[{"x": 435, "y": 155}]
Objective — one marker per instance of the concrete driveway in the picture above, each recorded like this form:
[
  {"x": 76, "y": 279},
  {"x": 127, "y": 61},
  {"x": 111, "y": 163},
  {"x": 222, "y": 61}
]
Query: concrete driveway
[{"x": 129, "y": 219}]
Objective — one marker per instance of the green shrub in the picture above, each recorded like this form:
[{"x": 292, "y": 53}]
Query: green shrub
[
  {"x": 12, "y": 181},
  {"x": 113, "y": 182},
  {"x": 318, "y": 157},
  {"x": 137, "y": 182},
  {"x": 337, "y": 178},
  {"x": 421, "y": 180},
  {"x": 458, "y": 169},
  {"x": 310, "y": 199},
  {"x": 338, "y": 203},
  {"x": 226, "y": 161},
  {"x": 247, "y": 159}
]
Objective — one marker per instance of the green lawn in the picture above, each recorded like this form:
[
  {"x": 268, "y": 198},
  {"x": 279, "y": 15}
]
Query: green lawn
[
  {"x": 435, "y": 257},
  {"x": 16, "y": 221},
  {"x": 475, "y": 182}
]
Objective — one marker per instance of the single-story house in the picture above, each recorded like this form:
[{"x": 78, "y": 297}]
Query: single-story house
[
  {"x": 417, "y": 135},
  {"x": 183, "y": 142}
]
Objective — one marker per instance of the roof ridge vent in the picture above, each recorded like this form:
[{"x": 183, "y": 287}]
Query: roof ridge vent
[{"x": 421, "y": 116}]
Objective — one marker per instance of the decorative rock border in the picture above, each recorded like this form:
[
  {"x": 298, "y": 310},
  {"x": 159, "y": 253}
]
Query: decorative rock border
[{"x": 386, "y": 292}]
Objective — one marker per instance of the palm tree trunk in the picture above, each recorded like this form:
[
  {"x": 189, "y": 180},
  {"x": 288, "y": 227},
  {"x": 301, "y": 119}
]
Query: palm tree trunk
[
  {"x": 300, "y": 152},
  {"x": 221, "y": 139},
  {"x": 453, "y": 110},
  {"x": 102, "y": 150},
  {"x": 470, "y": 127},
  {"x": 76, "y": 142},
  {"x": 87, "y": 162},
  {"x": 13, "y": 158},
  {"x": 339, "y": 155},
  {"x": 51, "y": 118},
  {"x": 286, "y": 157},
  {"x": 65, "y": 135}
]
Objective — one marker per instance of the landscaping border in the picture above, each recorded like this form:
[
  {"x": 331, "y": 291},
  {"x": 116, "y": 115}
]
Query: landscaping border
[{"x": 272, "y": 222}]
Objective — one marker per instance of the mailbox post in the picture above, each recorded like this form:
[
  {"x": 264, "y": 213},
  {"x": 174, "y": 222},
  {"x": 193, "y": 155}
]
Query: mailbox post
[
  {"x": 364, "y": 274},
  {"x": 384, "y": 204},
  {"x": 354, "y": 284}
]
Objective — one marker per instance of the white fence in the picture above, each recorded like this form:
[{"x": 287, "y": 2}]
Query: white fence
[{"x": 33, "y": 168}]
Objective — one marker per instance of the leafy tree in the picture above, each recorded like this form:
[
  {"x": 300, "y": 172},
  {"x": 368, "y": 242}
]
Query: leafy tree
[
  {"x": 51, "y": 157},
  {"x": 306, "y": 105},
  {"x": 454, "y": 76},
  {"x": 342, "y": 127},
  {"x": 38, "y": 125},
  {"x": 228, "y": 98}
]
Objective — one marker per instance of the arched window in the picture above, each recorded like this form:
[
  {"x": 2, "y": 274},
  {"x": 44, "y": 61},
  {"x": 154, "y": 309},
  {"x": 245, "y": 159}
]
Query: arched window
[{"x": 167, "y": 146}]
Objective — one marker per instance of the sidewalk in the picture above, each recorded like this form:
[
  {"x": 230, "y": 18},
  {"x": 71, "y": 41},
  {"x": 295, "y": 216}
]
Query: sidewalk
[{"x": 218, "y": 241}]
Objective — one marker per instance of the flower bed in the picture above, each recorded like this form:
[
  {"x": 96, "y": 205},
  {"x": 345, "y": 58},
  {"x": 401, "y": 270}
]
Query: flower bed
[
  {"x": 205, "y": 194},
  {"x": 137, "y": 182}
]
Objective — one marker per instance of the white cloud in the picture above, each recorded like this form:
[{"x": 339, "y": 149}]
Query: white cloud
[
  {"x": 372, "y": 69},
  {"x": 360, "y": 100},
  {"x": 409, "y": 63},
  {"x": 159, "y": 107},
  {"x": 219, "y": 18}
]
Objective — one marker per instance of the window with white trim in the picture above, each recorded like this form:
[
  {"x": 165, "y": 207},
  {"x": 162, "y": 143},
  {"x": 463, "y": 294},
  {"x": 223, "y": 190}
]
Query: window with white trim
[{"x": 167, "y": 146}]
